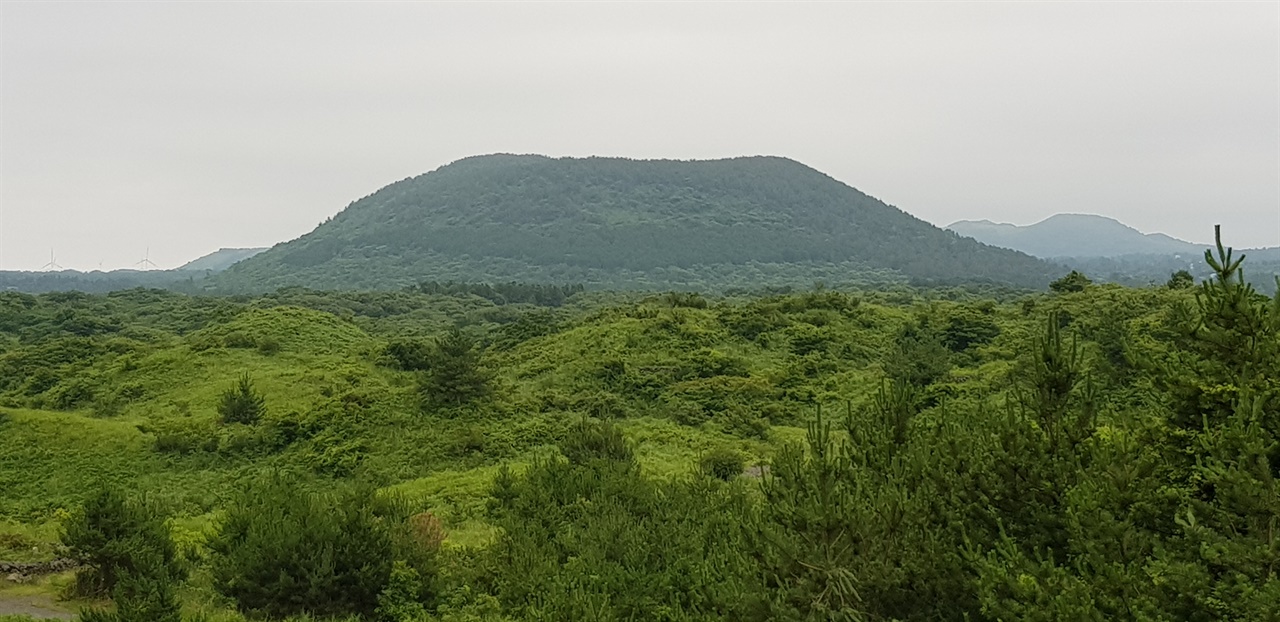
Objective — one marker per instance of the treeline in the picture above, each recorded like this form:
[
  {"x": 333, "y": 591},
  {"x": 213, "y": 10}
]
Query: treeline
[{"x": 504, "y": 293}]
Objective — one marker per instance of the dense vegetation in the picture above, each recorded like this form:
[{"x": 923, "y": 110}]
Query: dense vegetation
[
  {"x": 635, "y": 224},
  {"x": 469, "y": 452}
]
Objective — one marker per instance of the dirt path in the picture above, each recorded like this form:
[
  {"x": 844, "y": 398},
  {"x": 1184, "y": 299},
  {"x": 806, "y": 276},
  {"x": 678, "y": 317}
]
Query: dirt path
[{"x": 38, "y": 607}]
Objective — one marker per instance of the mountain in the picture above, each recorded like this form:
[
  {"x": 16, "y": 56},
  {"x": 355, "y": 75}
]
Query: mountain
[
  {"x": 1106, "y": 249},
  {"x": 95, "y": 282},
  {"x": 220, "y": 259},
  {"x": 187, "y": 278},
  {"x": 1074, "y": 235},
  {"x": 618, "y": 222}
]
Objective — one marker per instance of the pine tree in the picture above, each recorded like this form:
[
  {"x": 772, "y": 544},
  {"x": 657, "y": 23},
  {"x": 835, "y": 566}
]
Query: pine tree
[
  {"x": 241, "y": 404},
  {"x": 1228, "y": 415},
  {"x": 454, "y": 375}
]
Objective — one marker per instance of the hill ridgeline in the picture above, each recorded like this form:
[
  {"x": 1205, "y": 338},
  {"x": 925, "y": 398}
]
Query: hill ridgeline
[
  {"x": 613, "y": 222},
  {"x": 1075, "y": 235}
]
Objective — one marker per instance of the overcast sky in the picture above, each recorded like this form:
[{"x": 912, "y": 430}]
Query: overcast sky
[{"x": 185, "y": 127}]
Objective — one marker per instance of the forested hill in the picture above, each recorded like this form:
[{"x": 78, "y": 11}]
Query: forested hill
[{"x": 627, "y": 223}]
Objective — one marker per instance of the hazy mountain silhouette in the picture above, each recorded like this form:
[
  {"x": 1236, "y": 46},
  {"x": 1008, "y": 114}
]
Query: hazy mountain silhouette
[{"x": 1074, "y": 235}]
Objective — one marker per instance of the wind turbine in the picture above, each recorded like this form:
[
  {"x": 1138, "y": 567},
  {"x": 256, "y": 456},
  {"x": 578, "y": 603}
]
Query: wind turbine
[
  {"x": 53, "y": 264},
  {"x": 146, "y": 262}
]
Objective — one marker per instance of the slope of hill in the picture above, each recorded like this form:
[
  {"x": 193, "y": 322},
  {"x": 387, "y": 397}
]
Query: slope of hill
[
  {"x": 1074, "y": 235},
  {"x": 220, "y": 259},
  {"x": 626, "y": 223}
]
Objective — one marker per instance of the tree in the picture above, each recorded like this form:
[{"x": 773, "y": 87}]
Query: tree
[
  {"x": 1227, "y": 431},
  {"x": 281, "y": 550},
  {"x": 241, "y": 404},
  {"x": 129, "y": 553},
  {"x": 1181, "y": 280},
  {"x": 454, "y": 375},
  {"x": 113, "y": 535},
  {"x": 1073, "y": 282}
]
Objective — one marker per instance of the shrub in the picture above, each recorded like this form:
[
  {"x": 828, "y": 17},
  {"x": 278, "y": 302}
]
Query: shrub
[
  {"x": 1073, "y": 282},
  {"x": 409, "y": 354},
  {"x": 238, "y": 339},
  {"x": 71, "y": 394},
  {"x": 686, "y": 412},
  {"x": 741, "y": 421},
  {"x": 599, "y": 404},
  {"x": 268, "y": 346},
  {"x": 966, "y": 328},
  {"x": 114, "y": 536},
  {"x": 724, "y": 463},
  {"x": 590, "y": 441},
  {"x": 808, "y": 339},
  {"x": 184, "y": 436},
  {"x": 145, "y": 596},
  {"x": 689, "y": 300},
  {"x": 708, "y": 363},
  {"x": 1181, "y": 280},
  {"x": 281, "y": 550},
  {"x": 427, "y": 530},
  {"x": 398, "y": 602},
  {"x": 241, "y": 404}
]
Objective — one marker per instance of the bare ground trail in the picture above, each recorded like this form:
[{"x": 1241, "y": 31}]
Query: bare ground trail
[{"x": 34, "y": 605}]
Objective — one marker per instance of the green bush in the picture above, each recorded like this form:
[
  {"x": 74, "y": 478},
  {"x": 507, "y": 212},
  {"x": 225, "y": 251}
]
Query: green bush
[
  {"x": 589, "y": 441},
  {"x": 268, "y": 346},
  {"x": 1073, "y": 282},
  {"x": 409, "y": 354},
  {"x": 966, "y": 328},
  {"x": 281, "y": 550},
  {"x": 399, "y": 602},
  {"x": 744, "y": 422},
  {"x": 71, "y": 393},
  {"x": 183, "y": 436},
  {"x": 1181, "y": 280},
  {"x": 724, "y": 463},
  {"x": 144, "y": 596},
  {"x": 686, "y": 412},
  {"x": 241, "y": 404},
  {"x": 115, "y": 536}
]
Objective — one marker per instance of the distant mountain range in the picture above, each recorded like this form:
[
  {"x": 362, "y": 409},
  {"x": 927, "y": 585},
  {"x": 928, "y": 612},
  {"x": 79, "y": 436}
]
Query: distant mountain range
[
  {"x": 621, "y": 223},
  {"x": 189, "y": 277},
  {"x": 1074, "y": 235},
  {"x": 1109, "y": 250}
]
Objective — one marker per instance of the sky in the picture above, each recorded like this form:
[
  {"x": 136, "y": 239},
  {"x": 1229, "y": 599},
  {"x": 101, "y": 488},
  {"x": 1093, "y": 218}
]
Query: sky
[{"x": 164, "y": 131}]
